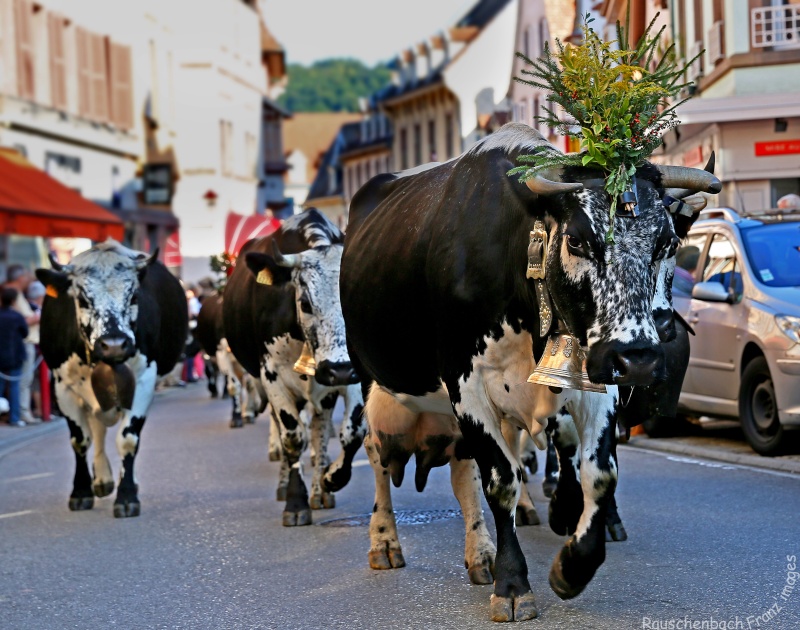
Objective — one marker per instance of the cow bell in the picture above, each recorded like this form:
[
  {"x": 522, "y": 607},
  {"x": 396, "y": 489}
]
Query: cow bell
[
  {"x": 563, "y": 365},
  {"x": 306, "y": 363},
  {"x": 113, "y": 386}
]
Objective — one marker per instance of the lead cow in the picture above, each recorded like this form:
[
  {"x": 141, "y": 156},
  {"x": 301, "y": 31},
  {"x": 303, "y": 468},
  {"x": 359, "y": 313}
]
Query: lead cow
[
  {"x": 444, "y": 324},
  {"x": 113, "y": 320}
]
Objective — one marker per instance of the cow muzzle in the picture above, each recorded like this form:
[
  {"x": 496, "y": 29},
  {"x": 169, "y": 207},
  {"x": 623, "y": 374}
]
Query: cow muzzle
[
  {"x": 112, "y": 349},
  {"x": 335, "y": 374},
  {"x": 625, "y": 364}
]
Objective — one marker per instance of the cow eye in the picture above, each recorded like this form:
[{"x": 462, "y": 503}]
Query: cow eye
[
  {"x": 574, "y": 245},
  {"x": 305, "y": 304},
  {"x": 82, "y": 301}
]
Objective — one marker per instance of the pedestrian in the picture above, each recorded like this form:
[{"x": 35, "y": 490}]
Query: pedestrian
[
  {"x": 19, "y": 278},
  {"x": 13, "y": 331},
  {"x": 36, "y": 292},
  {"x": 789, "y": 202}
]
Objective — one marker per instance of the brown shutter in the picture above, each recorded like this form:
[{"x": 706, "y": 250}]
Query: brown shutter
[
  {"x": 99, "y": 77},
  {"x": 58, "y": 77},
  {"x": 84, "y": 73},
  {"x": 120, "y": 79},
  {"x": 23, "y": 21}
]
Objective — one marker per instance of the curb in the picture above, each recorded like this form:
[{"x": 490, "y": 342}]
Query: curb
[
  {"x": 26, "y": 435},
  {"x": 716, "y": 454}
]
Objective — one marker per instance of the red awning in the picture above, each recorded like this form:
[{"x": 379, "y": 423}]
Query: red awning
[
  {"x": 239, "y": 229},
  {"x": 34, "y": 204},
  {"x": 172, "y": 251}
]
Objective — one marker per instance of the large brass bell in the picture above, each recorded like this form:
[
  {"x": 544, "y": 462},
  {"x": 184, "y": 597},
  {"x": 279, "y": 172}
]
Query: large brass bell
[
  {"x": 563, "y": 364},
  {"x": 306, "y": 363}
]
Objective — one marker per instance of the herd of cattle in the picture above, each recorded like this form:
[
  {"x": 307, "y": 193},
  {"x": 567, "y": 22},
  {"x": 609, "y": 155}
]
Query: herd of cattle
[{"x": 424, "y": 320}]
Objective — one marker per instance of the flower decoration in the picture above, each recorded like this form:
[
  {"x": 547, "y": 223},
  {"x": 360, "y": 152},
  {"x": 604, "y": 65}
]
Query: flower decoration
[
  {"x": 223, "y": 264},
  {"x": 616, "y": 102}
]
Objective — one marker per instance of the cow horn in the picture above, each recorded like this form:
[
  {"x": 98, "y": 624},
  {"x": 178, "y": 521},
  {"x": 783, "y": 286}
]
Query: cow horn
[
  {"x": 55, "y": 264},
  {"x": 695, "y": 179},
  {"x": 143, "y": 260},
  {"x": 682, "y": 193},
  {"x": 542, "y": 186},
  {"x": 288, "y": 260}
]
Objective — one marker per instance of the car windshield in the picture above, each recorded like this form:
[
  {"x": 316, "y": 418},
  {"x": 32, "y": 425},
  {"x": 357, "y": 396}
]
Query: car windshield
[{"x": 774, "y": 253}]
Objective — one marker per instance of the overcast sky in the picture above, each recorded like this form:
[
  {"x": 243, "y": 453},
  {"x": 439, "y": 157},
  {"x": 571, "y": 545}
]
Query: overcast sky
[{"x": 369, "y": 30}]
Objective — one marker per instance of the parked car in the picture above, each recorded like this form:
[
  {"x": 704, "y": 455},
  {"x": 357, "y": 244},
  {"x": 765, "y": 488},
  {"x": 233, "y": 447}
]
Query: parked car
[{"x": 743, "y": 300}]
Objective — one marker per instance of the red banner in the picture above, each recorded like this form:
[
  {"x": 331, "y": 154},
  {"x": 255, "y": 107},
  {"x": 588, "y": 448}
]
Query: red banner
[{"x": 779, "y": 147}]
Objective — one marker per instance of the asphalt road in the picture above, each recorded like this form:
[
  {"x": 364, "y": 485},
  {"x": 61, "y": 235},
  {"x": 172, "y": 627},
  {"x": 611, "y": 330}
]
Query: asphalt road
[{"x": 708, "y": 542}]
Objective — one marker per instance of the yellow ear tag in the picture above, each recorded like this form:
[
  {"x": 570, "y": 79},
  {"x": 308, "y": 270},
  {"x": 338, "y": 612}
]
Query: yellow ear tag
[
  {"x": 264, "y": 276},
  {"x": 51, "y": 291}
]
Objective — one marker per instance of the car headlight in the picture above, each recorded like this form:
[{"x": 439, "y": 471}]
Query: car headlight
[{"x": 790, "y": 326}]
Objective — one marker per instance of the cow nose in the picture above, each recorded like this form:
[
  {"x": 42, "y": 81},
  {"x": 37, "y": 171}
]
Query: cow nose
[
  {"x": 113, "y": 348},
  {"x": 638, "y": 366},
  {"x": 665, "y": 325},
  {"x": 333, "y": 374}
]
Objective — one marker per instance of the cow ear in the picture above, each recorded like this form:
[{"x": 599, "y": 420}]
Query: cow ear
[
  {"x": 56, "y": 282},
  {"x": 143, "y": 261},
  {"x": 266, "y": 270}
]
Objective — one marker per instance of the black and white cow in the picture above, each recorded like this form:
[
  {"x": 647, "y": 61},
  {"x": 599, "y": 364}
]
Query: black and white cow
[
  {"x": 247, "y": 395},
  {"x": 286, "y": 295},
  {"x": 442, "y": 320},
  {"x": 119, "y": 318}
]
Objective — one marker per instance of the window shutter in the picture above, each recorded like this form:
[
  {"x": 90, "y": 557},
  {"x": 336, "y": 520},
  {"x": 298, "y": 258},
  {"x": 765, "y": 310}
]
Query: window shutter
[
  {"x": 120, "y": 75},
  {"x": 23, "y": 19},
  {"x": 58, "y": 79},
  {"x": 99, "y": 77},
  {"x": 84, "y": 77}
]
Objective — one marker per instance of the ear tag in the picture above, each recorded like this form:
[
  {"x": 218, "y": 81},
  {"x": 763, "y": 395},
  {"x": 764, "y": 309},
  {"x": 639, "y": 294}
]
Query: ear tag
[
  {"x": 264, "y": 276},
  {"x": 51, "y": 291}
]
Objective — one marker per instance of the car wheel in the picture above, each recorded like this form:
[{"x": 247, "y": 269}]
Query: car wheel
[{"x": 758, "y": 409}]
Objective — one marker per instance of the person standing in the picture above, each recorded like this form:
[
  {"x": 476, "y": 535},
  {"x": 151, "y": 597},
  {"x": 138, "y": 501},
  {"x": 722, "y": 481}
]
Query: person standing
[
  {"x": 19, "y": 278},
  {"x": 13, "y": 330}
]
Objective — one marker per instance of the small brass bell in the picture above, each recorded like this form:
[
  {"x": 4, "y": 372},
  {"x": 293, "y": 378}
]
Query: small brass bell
[
  {"x": 563, "y": 364},
  {"x": 306, "y": 364}
]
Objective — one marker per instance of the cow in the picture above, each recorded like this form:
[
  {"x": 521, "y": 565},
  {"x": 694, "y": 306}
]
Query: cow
[
  {"x": 444, "y": 328},
  {"x": 113, "y": 320},
  {"x": 285, "y": 295},
  {"x": 247, "y": 395}
]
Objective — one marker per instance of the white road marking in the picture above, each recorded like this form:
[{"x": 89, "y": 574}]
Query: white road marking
[
  {"x": 687, "y": 460},
  {"x": 360, "y": 462},
  {"x": 29, "y": 477},
  {"x": 12, "y": 514}
]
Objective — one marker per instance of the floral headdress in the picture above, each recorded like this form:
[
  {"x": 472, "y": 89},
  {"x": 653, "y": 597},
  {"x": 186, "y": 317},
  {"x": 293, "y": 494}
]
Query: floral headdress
[{"x": 616, "y": 101}]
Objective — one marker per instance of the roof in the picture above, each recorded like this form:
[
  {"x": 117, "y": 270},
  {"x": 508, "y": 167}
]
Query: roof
[
  {"x": 482, "y": 13},
  {"x": 34, "y": 204},
  {"x": 312, "y": 134}
]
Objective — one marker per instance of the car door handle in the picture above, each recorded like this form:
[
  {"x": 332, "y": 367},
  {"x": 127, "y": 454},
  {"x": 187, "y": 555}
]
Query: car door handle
[{"x": 693, "y": 319}]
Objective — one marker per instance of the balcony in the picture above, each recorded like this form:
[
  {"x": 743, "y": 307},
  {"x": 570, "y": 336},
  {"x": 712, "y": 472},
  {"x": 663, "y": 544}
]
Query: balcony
[{"x": 776, "y": 27}]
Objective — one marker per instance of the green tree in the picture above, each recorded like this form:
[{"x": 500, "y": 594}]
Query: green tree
[{"x": 331, "y": 85}]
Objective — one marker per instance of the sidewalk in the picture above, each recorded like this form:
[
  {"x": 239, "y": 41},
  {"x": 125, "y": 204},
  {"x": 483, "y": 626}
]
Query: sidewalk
[{"x": 11, "y": 438}]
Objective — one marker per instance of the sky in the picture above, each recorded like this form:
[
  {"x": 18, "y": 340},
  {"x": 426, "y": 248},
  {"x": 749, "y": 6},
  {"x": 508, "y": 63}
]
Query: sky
[{"x": 370, "y": 30}]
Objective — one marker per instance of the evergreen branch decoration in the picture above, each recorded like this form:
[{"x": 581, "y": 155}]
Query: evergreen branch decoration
[
  {"x": 615, "y": 104},
  {"x": 223, "y": 264}
]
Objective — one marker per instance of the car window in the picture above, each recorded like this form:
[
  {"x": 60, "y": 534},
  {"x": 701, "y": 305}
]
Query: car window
[
  {"x": 686, "y": 259},
  {"x": 722, "y": 266},
  {"x": 774, "y": 253}
]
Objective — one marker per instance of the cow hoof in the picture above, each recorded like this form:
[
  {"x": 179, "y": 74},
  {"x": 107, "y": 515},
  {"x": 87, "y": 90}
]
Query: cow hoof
[
  {"x": 559, "y": 583},
  {"x": 281, "y": 495},
  {"x": 333, "y": 481},
  {"x": 527, "y": 516},
  {"x": 128, "y": 509},
  {"x": 78, "y": 504},
  {"x": 386, "y": 558},
  {"x": 482, "y": 572},
  {"x": 520, "y": 608},
  {"x": 616, "y": 532},
  {"x": 103, "y": 488},
  {"x": 249, "y": 419},
  {"x": 236, "y": 423},
  {"x": 274, "y": 456},
  {"x": 326, "y": 501},
  {"x": 549, "y": 487},
  {"x": 297, "y": 519}
]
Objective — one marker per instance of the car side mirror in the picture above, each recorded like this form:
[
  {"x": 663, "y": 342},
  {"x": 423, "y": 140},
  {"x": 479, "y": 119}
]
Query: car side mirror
[{"x": 711, "y": 292}]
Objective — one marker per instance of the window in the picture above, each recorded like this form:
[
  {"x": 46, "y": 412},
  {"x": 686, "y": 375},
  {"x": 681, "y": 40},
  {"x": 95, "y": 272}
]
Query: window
[
  {"x": 23, "y": 23},
  {"x": 417, "y": 144},
  {"x": 92, "y": 75},
  {"x": 58, "y": 69},
  {"x": 250, "y": 147},
  {"x": 120, "y": 74},
  {"x": 686, "y": 259},
  {"x": 226, "y": 147},
  {"x": 721, "y": 265},
  {"x": 403, "y": 149},
  {"x": 448, "y": 135},
  {"x": 535, "y": 113},
  {"x": 432, "y": 139},
  {"x": 544, "y": 33}
]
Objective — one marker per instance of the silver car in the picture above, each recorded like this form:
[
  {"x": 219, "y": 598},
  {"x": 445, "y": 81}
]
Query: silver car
[{"x": 743, "y": 300}]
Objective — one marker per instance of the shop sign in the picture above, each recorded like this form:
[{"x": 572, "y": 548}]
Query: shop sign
[{"x": 779, "y": 147}]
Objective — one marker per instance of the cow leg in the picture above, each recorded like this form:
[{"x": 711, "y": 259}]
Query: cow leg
[
  {"x": 501, "y": 473},
  {"x": 584, "y": 552},
  {"x": 616, "y": 530},
  {"x": 526, "y": 510},
  {"x": 351, "y": 436},
  {"x": 103, "y": 481},
  {"x": 550, "y": 480},
  {"x": 321, "y": 426},
  {"x": 82, "y": 497},
  {"x": 211, "y": 377},
  {"x": 235, "y": 392},
  {"x": 274, "y": 437},
  {"x": 566, "y": 501},
  {"x": 479, "y": 550},
  {"x": 283, "y": 478},
  {"x": 384, "y": 550}
]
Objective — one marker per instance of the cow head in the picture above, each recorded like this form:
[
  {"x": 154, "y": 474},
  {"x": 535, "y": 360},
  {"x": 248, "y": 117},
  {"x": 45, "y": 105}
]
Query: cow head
[
  {"x": 314, "y": 275},
  {"x": 603, "y": 291},
  {"x": 104, "y": 284}
]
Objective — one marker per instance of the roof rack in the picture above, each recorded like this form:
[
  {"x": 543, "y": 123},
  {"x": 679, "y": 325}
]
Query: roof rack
[{"x": 725, "y": 214}]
